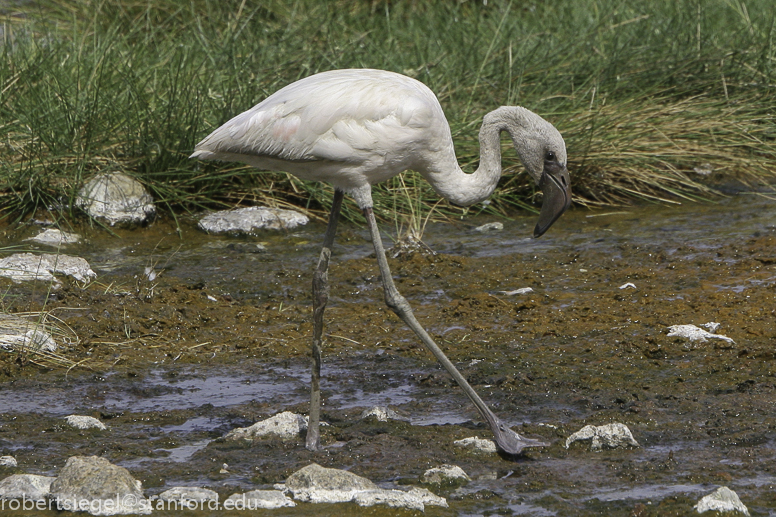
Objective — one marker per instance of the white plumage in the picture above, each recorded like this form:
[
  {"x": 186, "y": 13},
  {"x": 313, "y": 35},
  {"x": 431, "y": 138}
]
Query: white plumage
[{"x": 356, "y": 128}]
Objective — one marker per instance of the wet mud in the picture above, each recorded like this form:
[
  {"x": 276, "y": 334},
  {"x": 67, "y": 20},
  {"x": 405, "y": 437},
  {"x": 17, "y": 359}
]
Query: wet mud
[{"x": 220, "y": 339}]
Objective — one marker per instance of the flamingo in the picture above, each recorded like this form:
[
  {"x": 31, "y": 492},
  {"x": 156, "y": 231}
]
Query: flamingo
[{"x": 355, "y": 128}]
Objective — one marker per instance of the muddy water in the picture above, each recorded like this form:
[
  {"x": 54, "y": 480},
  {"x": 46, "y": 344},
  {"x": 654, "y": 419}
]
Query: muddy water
[{"x": 220, "y": 339}]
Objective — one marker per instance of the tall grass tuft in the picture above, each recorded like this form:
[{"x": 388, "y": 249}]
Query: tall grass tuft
[{"x": 645, "y": 93}]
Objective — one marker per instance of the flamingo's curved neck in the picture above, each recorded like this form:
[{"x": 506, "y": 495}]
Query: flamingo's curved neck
[{"x": 466, "y": 189}]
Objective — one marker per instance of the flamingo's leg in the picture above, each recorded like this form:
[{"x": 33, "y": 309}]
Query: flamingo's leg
[
  {"x": 320, "y": 297},
  {"x": 508, "y": 440}
]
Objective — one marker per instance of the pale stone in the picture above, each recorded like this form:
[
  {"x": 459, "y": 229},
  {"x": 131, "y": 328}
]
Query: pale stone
[
  {"x": 94, "y": 485},
  {"x": 19, "y": 333},
  {"x": 694, "y": 333},
  {"x": 55, "y": 237},
  {"x": 478, "y": 444},
  {"x": 522, "y": 290},
  {"x": 248, "y": 220},
  {"x": 116, "y": 199},
  {"x": 721, "y": 500},
  {"x": 382, "y": 414},
  {"x": 21, "y": 267},
  {"x": 316, "y": 484},
  {"x": 608, "y": 436},
  {"x": 285, "y": 425},
  {"x": 445, "y": 474},
  {"x": 255, "y": 499},
  {"x": 490, "y": 227},
  {"x": 84, "y": 422},
  {"x": 26, "y": 486},
  {"x": 188, "y": 494}
]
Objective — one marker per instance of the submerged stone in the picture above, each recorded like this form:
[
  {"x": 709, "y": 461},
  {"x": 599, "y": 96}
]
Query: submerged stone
[
  {"x": 26, "y": 486},
  {"x": 256, "y": 499},
  {"x": 116, "y": 199},
  {"x": 610, "y": 436},
  {"x": 248, "y": 220},
  {"x": 285, "y": 425},
  {"x": 7, "y": 461},
  {"x": 84, "y": 422},
  {"x": 21, "y": 267},
  {"x": 490, "y": 227},
  {"x": 55, "y": 237},
  {"x": 94, "y": 485},
  {"x": 721, "y": 500}
]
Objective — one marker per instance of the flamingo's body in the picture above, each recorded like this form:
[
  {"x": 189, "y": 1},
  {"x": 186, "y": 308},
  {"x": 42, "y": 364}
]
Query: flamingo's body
[{"x": 356, "y": 128}]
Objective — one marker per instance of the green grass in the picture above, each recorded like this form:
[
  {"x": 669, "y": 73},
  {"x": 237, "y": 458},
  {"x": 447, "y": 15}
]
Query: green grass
[{"x": 643, "y": 92}]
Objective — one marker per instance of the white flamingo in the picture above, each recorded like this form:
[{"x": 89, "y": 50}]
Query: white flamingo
[{"x": 355, "y": 128}]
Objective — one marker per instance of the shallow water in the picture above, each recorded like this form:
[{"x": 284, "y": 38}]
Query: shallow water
[{"x": 219, "y": 340}]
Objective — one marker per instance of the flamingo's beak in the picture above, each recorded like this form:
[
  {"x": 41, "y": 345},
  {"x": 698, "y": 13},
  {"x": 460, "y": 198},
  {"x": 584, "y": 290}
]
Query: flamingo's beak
[{"x": 556, "y": 186}]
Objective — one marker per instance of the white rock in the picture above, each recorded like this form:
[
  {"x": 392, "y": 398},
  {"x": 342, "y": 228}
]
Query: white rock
[
  {"x": 25, "y": 486},
  {"x": 250, "y": 219},
  {"x": 477, "y": 444},
  {"x": 390, "y": 498},
  {"x": 21, "y": 267},
  {"x": 711, "y": 326},
  {"x": 116, "y": 199},
  {"x": 16, "y": 333},
  {"x": 694, "y": 333},
  {"x": 629, "y": 285},
  {"x": 444, "y": 474},
  {"x": 54, "y": 237},
  {"x": 490, "y": 227},
  {"x": 7, "y": 461},
  {"x": 610, "y": 436},
  {"x": 285, "y": 425},
  {"x": 382, "y": 414},
  {"x": 522, "y": 290},
  {"x": 316, "y": 484},
  {"x": 188, "y": 494},
  {"x": 721, "y": 500},
  {"x": 255, "y": 499},
  {"x": 84, "y": 422}
]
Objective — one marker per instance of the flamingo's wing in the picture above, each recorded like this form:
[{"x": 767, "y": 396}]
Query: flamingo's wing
[{"x": 344, "y": 116}]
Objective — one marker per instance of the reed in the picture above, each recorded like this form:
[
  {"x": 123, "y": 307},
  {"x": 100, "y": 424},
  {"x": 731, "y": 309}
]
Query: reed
[{"x": 646, "y": 94}]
